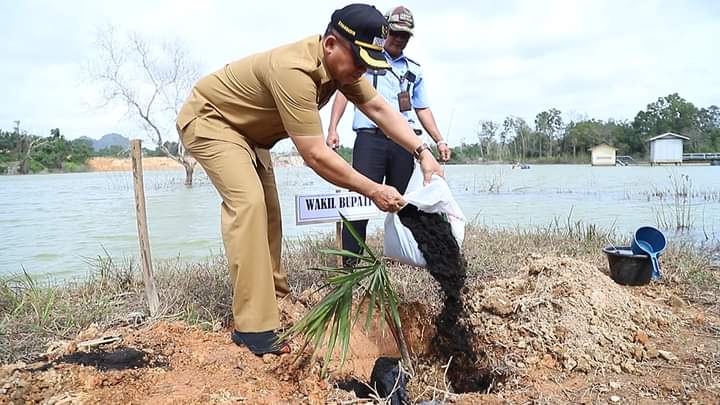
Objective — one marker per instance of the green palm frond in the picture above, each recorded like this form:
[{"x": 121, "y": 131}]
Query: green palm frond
[{"x": 330, "y": 322}]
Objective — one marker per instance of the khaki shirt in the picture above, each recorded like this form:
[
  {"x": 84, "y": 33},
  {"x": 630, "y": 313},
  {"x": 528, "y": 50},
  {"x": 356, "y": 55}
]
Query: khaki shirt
[{"x": 265, "y": 96}]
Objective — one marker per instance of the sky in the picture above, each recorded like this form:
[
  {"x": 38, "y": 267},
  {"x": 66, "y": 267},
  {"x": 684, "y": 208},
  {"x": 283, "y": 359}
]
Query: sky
[{"x": 482, "y": 60}]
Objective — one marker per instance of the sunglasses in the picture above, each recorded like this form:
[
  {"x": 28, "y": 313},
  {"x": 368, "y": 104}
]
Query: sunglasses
[{"x": 401, "y": 34}]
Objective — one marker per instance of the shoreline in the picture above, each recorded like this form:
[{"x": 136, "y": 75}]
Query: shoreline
[
  {"x": 108, "y": 164},
  {"x": 161, "y": 163}
]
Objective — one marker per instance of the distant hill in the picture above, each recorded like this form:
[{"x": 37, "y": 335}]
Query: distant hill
[
  {"x": 107, "y": 140},
  {"x": 111, "y": 140}
]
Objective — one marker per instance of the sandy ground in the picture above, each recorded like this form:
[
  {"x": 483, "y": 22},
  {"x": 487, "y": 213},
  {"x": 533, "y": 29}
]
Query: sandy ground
[
  {"x": 563, "y": 333},
  {"x": 107, "y": 164}
]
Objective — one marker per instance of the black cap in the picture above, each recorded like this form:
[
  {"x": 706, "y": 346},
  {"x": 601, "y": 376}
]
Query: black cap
[{"x": 366, "y": 29}]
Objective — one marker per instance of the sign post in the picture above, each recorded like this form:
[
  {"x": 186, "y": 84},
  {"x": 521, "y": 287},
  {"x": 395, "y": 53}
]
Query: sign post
[{"x": 324, "y": 208}]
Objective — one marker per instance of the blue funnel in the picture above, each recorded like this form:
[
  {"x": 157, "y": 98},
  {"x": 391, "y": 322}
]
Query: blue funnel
[{"x": 649, "y": 241}]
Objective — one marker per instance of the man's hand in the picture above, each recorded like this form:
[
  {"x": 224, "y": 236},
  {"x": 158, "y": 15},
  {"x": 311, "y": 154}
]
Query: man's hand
[
  {"x": 332, "y": 140},
  {"x": 387, "y": 198},
  {"x": 429, "y": 166},
  {"x": 331, "y": 167},
  {"x": 444, "y": 151}
]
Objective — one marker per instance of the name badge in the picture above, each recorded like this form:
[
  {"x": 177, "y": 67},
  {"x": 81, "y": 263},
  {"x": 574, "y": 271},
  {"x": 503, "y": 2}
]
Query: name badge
[{"x": 404, "y": 101}]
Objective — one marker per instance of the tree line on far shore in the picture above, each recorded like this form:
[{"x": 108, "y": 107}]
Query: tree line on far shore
[
  {"x": 24, "y": 153},
  {"x": 549, "y": 140},
  {"x": 552, "y": 140}
]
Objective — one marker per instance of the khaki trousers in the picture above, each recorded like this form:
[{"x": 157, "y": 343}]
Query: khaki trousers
[{"x": 250, "y": 218}]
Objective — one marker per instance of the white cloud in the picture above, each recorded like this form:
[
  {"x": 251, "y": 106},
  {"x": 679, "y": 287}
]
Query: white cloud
[{"x": 483, "y": 60}]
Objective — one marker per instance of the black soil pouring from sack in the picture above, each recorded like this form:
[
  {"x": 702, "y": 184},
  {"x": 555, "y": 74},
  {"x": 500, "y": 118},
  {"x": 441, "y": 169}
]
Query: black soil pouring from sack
[{"x": 446, "y": 264}]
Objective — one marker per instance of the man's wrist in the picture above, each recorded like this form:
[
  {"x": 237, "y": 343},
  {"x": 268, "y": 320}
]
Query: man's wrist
[
  {"x": 373, "y": 190},
  {"x": 365, "y": 187},
  {"x": 423, "y": 153},
  {"x": 441, "y": 142},
  {"x": 417, "y": 153}
]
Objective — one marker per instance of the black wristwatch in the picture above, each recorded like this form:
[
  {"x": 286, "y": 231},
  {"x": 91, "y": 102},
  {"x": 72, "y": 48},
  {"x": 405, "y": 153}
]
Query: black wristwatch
[{"x": 419, "y": 150}]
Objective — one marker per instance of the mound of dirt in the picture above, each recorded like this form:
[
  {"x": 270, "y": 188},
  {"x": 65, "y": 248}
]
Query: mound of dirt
[
  {"x": 546, "y": 329},
  {"x": 565, "y": 313}
]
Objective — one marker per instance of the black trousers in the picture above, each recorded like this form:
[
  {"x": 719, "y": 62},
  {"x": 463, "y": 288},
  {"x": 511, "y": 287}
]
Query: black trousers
[{"x": 378, "y": 158}]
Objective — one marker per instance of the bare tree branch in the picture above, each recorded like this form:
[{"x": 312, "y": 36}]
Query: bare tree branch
[
  {"x": 28, "y": 143},
  {"x": 151, "y": 80}
]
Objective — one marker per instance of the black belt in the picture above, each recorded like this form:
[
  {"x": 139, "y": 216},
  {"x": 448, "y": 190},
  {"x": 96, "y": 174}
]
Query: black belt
[
  {"x": 372, "y": 131},
  {"x": 378, "y": 131}
]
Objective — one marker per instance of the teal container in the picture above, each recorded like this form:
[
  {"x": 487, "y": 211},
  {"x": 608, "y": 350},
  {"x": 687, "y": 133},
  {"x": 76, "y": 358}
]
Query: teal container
[{"x": 650, "y": 241}]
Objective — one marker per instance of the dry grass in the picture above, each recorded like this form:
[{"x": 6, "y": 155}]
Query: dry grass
[
  {"x": 301, "y": 255},
  {"x": 33, "y": 313}
]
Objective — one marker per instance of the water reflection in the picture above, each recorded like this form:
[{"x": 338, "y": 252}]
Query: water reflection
[{"x": 53, "y": 223}]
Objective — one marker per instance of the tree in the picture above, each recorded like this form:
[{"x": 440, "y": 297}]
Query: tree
[
  {"x": 57, "y": 153},
  {"x": 26, "y": 145},
  {"x": 668, "y": 114},
  {"x": 345, "y": 152},
  {"x": 708, "y": 127},
  {"x": 548, "y": 125},
  {"x": 80, "y": 151},
  {"x": 521, "y": 131},
  {"x": 52, "y": 153},
  {"x": 586, "y": 134},
  {"x": 152, "y": 81},
  {"x": 486, "y": 132},
  {"x": 503, "y": 136}
]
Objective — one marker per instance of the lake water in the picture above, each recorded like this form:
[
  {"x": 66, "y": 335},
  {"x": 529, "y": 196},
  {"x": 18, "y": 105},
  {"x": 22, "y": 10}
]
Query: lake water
[{"x": 53, "y": 224}]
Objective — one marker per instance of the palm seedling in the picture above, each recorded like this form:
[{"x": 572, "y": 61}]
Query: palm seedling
[{"x": 330, "y": 322}]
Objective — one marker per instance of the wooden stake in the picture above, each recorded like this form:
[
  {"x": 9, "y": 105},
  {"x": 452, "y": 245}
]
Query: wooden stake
[
  {"x": 143, "y": 238},
  {"x": 338, "y": 237},
  {"x": 338, "y": 241}
]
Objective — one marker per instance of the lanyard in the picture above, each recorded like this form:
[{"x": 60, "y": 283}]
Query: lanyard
[{"x": 401, "y": 79}]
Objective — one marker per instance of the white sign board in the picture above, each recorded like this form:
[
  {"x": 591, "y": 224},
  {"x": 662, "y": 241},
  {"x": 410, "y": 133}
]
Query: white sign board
[{"x": 319, "y": 208}]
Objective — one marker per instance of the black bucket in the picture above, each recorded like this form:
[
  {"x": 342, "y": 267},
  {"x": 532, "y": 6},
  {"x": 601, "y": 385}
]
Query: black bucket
[{"x": 627, "y": 268}]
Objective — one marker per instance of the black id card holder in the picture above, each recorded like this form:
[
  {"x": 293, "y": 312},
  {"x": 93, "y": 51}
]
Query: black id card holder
[
  {"x": 404, "y": 101},
  {"x": 404, "y": 96}
]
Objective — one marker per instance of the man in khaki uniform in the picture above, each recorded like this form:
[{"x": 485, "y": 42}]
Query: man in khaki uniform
[{"x": 236, "y": 114}]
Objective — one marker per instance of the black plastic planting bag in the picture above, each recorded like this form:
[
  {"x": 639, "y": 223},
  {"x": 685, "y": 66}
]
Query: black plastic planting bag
[{"x": 389, "y": 381}]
